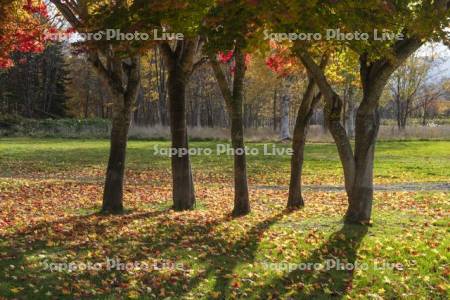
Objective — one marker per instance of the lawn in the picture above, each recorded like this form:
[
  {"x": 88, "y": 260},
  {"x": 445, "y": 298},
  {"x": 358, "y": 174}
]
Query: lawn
[{"x": 50, "y": 191}]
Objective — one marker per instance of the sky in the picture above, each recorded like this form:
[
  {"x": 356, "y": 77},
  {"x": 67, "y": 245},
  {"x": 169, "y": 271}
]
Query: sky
[{"x": 442, "y": 69}]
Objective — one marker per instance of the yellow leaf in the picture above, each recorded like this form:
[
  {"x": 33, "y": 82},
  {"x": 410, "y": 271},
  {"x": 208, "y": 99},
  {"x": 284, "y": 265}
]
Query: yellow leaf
[{"x": 133, "y": 295}]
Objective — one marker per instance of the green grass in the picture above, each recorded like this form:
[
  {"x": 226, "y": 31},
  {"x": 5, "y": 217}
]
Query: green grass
[
  {"x": 45, "y": 219},
  {"x": 415, "y": 161}
]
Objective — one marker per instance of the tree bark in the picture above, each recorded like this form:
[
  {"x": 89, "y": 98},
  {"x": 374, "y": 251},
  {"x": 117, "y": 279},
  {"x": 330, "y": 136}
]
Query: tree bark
[
  {"x": 374, "y": 77},
  {"x": 180, "y": 65},
  {"x": 284, "y": 108},
  {"x": 241, "y": 198},
  {"x": 361, "y": 195},
  {"x": 234, "y": 102},
  {"x": 122, "y": 109},
  {"x": 304, "y": 114},
  {"x": 113, "y": 190},
  {"x": 183, "y": 188}
]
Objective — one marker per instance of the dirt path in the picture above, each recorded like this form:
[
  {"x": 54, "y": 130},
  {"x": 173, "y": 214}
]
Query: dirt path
[{"x": 395, "y": 187}]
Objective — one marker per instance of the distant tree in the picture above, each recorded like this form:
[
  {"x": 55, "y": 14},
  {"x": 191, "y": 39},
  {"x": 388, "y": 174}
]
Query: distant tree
[
  {"x": 343, "y": 74},
  {"x": 427, "y": 101},
  {"x": 88, "y": 95},
  {"x": 43, "y": 93},
  {"x": 407, "y": 84}
]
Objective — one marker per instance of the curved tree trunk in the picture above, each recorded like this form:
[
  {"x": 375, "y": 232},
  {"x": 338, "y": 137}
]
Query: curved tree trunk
[
  {"x": 358, "y": 168},
  {"x": 304, "y": 114}
]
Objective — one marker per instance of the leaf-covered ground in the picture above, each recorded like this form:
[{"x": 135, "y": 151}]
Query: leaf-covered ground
[{"x": 50, "y": 191}]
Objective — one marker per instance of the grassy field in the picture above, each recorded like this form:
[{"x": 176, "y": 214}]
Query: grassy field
[
  {"x": 395, "y": 161},
  {"x": 50, "y": 191}
]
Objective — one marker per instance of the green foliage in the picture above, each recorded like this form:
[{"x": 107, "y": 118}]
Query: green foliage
[{"x": 424, "y": 20}]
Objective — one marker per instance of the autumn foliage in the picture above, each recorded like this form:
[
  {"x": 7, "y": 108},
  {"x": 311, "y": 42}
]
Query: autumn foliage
[
  {"x": 227, "y": 57},
  {"x": 280, "y": 60},
  {"x": 22, "y": 28}
]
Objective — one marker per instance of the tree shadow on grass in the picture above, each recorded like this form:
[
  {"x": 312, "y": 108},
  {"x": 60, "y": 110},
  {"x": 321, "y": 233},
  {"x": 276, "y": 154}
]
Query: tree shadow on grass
[
  {"x": 327, "y": 283},
  {"x": 222, "y": 266},
  {"x": 72, "y": 238},
  {"x": 97, "y": 234}
]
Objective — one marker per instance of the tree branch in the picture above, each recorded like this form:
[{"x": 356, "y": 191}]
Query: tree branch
[
  {"x": 333, "y": 108},
  {"x": 222, "y": 82},
  {"x": 105, "y": 73},
  {"x": 68, "y": 10}
]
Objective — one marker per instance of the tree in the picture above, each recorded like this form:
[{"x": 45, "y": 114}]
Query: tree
[
  {"x": 43, "y": 93},
  {"x": 89, "y": 97},
  {"x": 375, "y": 69},
  {"x": 343, "y": 71},
  {"x": 121, "y": 75},
  {"x": 231, "y": 27},
  {"x": 427, "y": 100},
  {"x": 183, "y": 17},
  {"x": 22, "y": 27},
  {"x": 406, "y": 84},
  {"x": 285, "y": 101},
  {"x": 378, "y": 59},
  {"x": 261, "y": 92},
  {"x": 282, "y": 62},
  {"x": 180, "y": 64},
  {"x": 234, "y": 101}
]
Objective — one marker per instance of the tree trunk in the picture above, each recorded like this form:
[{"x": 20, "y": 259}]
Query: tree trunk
[
  {"x": 180, "y": 65},
  {"x": 183, "y": 187},
  {"x": 241, "y": 199},
  {"x": 351, "y": 119},
  {"x": 425, "y": 114},
  {"x": 234, "y": 101},
  {"x": 274, "y": 110},
  {"x": 284, "y": 109},
  {"x": 124, "y": 100},
  {"x": 113, "y": 190},
  {"x": 86, "y": 105},
  {"x": 304, "y": 114},
  {"x": 361, "y": 195}
]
